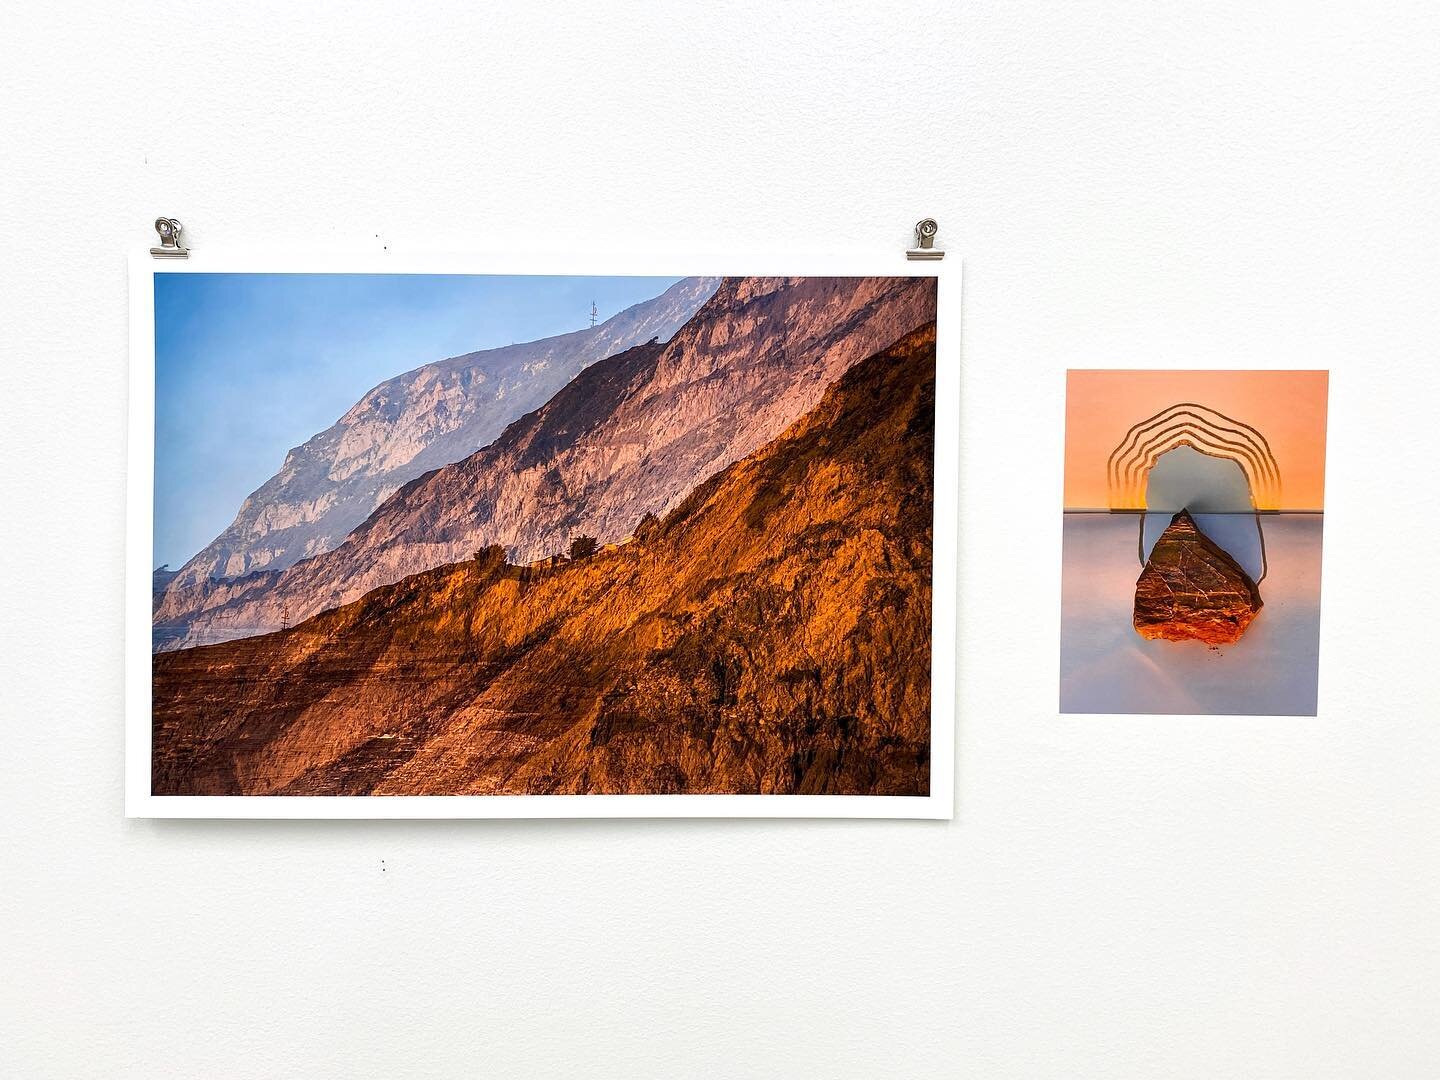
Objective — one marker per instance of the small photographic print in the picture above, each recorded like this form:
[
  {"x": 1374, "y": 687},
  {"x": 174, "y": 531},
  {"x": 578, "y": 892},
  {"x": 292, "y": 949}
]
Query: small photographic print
[{"x": 1194, "y": 507}]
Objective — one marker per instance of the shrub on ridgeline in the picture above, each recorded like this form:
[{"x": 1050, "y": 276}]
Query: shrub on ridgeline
[
  {"x": 489, "y": 558},
  {"x": 582, "y": 547},
  {"x": 648, "y": 524}
]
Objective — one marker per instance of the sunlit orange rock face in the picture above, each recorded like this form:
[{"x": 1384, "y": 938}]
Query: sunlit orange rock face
[
  {"x": 771, "y": 634},
  {"x": 1191, "y": 590}
]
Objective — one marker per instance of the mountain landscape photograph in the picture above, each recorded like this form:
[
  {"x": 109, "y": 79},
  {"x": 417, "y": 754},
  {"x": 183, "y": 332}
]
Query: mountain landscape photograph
[{"x": 532, "y": 535}]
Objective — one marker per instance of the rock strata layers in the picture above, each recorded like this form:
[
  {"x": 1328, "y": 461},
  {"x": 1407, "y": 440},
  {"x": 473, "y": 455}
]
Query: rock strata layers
[{"x": 1191, "y": 590}]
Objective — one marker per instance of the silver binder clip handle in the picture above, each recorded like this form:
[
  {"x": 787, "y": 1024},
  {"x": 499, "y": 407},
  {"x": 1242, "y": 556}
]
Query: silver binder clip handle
[
  {"x": 925, "y": 248},
  {"x": 170, "y": 248}
]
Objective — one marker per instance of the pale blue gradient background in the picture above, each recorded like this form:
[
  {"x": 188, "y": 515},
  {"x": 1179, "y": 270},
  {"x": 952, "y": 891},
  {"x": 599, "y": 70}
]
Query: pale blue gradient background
[
  {"x": 248, "y": 366},
  {"x": 1106, "y": 667}
]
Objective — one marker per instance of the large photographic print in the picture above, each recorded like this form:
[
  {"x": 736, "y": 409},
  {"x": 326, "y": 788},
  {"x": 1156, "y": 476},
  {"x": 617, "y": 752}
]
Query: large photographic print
[{"x": 522, "y": 535}]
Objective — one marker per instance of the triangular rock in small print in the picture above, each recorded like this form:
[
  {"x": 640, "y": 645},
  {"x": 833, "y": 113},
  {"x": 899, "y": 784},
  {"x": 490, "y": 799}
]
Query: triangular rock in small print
[{"x": 1191, "y": 590}]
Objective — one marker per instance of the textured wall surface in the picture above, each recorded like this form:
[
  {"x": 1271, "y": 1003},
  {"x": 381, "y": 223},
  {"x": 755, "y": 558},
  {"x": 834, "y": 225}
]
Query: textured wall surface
[{"x": 1133, "y": 183}]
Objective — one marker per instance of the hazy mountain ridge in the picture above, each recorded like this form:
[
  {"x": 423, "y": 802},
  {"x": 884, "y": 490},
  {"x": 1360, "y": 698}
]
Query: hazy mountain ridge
[
  {"x": 630, "y": 435},
  {"x": 770, "y": 635},
  {"x": 410, "y": 424}
]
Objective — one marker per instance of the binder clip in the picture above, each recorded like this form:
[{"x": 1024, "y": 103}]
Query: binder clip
[
  {"x": 170, "y": 248},
  {"x": 925, "y": 248}
]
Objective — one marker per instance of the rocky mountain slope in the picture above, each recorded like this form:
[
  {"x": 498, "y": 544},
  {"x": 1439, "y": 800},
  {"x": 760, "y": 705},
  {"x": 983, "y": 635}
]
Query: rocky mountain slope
[
  {"x": 630, "y": 435},
  {"x": 413, "y": 423},
  {"x": 771, "y": 634}
]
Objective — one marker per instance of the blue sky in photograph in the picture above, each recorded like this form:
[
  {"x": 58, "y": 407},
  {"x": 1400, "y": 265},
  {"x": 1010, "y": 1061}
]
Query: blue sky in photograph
[{"x": 248, "y": 366}]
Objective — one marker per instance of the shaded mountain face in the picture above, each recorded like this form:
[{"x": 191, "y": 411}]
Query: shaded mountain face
[
  {"x": 1192, "y": 590},
  {"x": 770, "y": 635},
  {"x": 631, "y": 435},
  {"x": 411, "y": 424},
  {"x": 160, "y": 577}
]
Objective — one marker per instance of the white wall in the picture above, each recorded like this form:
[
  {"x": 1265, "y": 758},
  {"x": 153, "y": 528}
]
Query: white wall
[{"x": 1132, "y": 183}]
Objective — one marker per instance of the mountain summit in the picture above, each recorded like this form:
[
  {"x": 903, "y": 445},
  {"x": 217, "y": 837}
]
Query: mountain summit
[{"x": 415, "y": 422}]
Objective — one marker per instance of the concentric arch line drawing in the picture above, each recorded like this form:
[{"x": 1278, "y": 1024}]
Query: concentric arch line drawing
[{"x": 1205, "y": 430}]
